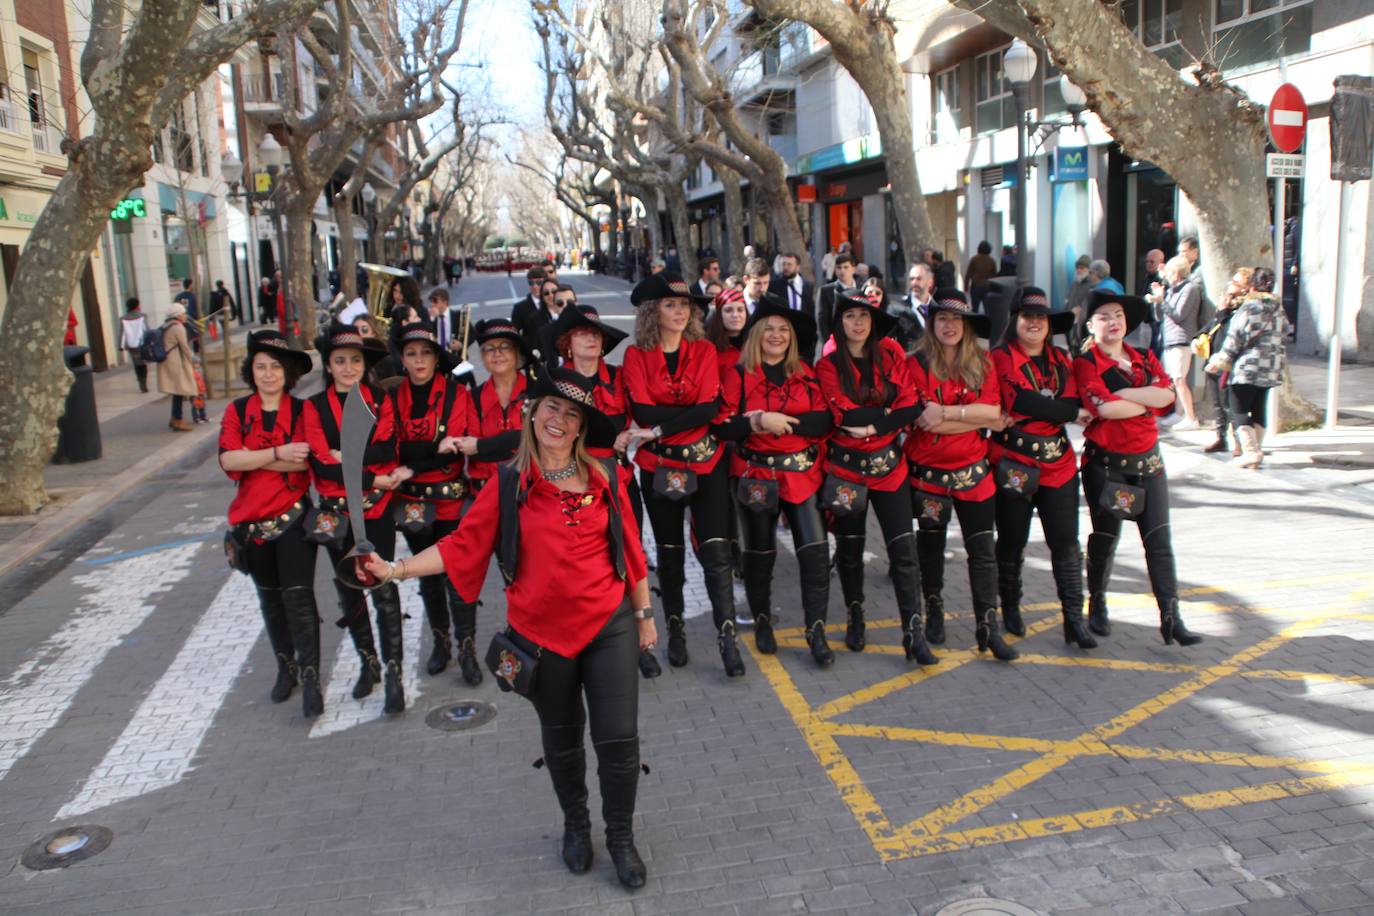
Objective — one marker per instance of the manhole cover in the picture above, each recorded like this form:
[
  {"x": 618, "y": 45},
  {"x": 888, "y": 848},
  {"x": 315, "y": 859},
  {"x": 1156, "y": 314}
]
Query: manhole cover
[
  {"x": 65, "y": 847},
  {"x": 460, "y": 716},
  {"x": 986, "y": 906}
]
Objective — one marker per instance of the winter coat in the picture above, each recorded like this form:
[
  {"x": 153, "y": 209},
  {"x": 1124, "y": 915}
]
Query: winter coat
[
  {"x": 1253, "y": 351},
  {"x": 176, "y": 374},
  {"x": 1179, "y": 312}
]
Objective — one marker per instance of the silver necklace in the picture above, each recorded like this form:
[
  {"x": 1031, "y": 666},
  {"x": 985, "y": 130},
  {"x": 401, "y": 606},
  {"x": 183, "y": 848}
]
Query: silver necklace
[{"x": 566, "y": 473}]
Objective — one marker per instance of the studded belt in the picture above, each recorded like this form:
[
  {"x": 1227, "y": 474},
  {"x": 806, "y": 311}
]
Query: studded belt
[
  {"x": 1146, "y": 464},
  {"x": 867, "y": 464},
  {"x": 269, "y": 529},
  {"x": 953, "y": 479},
  {"x": 1041, "y": 448},
  {"x": 340, "y": 504},
  {"x": 692, "y": 453},
  {"x": 803, "y": 460},
  {"x": 446, "y": 490}
]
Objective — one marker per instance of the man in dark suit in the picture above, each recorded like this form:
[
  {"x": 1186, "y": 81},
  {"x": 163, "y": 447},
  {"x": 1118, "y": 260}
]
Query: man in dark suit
[
  {"x": 522, "y": 314},
  {"x": 710, "y": 273},
  {"x": 559, "y": 296},
  {"x": 792, "y": 287},
  {"x": 447, "y": 326},
  {"x": 825, "y": 300}
]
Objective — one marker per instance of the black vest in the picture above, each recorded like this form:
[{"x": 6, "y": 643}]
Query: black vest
[{"x": 512, "y": 496}]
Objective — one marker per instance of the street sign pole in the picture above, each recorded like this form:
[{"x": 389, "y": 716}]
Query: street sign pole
[{"x": 1333, "y": 356}]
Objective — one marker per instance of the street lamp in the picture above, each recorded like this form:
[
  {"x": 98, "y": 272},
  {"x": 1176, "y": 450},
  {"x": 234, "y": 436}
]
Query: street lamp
[
  {"x": 231, "y": 170},
  {"x": 1018, "y": 66},
  {"x": 370, "y": 203},
  {"x": 272, "y": 156}
]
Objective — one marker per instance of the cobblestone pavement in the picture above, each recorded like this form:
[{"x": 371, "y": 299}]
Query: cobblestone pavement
[{"x": 1236, "y": 776}]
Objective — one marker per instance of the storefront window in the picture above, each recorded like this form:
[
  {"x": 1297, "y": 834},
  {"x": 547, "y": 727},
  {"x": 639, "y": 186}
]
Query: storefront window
[{"x": 177, "y": 247}]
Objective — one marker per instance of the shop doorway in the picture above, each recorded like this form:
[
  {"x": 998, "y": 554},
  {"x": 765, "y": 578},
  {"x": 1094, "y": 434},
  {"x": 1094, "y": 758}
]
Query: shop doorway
[{"x": 846, "y": 224}]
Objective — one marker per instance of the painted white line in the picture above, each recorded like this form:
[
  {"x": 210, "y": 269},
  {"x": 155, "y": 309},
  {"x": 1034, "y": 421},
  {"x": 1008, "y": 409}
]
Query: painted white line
[
  {"x": 511, "y": 285},
  {"x": 37, "y": 695},
  {"x": 695, "y": 601},
  {"x": 162, "y": 739}
]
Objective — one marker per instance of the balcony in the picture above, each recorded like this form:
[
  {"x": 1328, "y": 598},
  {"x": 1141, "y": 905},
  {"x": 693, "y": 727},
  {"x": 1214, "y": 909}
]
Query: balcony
[
  {"x": 800, "y": 45},
  {"x": 758, "y": 79},
  {"x": 46, "y": 138},
  {"x": 8, "y": 123},
  {"x": 263, "y": 94}
]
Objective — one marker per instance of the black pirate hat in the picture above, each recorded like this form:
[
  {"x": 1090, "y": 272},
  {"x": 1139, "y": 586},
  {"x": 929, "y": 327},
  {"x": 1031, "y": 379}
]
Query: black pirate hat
[
  {"x": 572, "y": 318},
  {"x": 272, "y": 343},
  {"x": 339, "y": 335},
  {"x": 500, "y": 329},
  {"x": 1031, "y": 300},
  {"x": 953, "y": 300},
  {"x": 853, "y": 298},
  {"x": 1137, "y": 309},
  {"x": 560, "y": 382},
  {"x": 803, "y": 325},
  {"x": 664, "y": 285}
]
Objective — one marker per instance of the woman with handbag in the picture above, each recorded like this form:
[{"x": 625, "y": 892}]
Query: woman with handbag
[
  {"x": 1123, "y": 473},
  {"x": 949, "y": 472},
  {"x": 872, "y": 398},
  {"x": 263, "y": 449},
  {"x": 1208, "y": 341},
  {"x": 1253, "y": 356},
  {"x": 431, "y": 409},
  {"x": 672, "y": 389},
  {"x": 561, "y": 526},
  {"x": 347, "y": 356},
  {"x": 779, "y": 424},
  {"x": 1036, "y": 469}
]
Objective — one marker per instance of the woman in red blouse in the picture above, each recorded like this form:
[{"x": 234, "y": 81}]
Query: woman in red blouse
[
  {"x": 576, "y": 561},
  {"x": 949, "y": 462},
  {"x": 780, "y": 422},
  {"x": 263, "y": 449},
  {"x": 672, "y": 386},
  {"x": 347, "y": 356},
  {"x": 725, "y": 327},
  {"x": 1123, "y": 472},
  {"x": 872, "y": 398},
  {"x": 1034, "y": 461},
  {"x": 431, "y": 410},
  {"x": 497, "y": 407}
]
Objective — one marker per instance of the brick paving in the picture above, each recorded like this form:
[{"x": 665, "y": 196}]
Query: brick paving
[{"x": 1234, "y": 777}]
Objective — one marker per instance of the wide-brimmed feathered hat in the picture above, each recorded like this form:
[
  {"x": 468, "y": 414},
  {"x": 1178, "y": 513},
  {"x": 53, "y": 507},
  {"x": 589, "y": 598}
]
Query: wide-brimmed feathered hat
[
  {"x": 1031, "y": 300},
  {"x": 664, "y": 285},
  {"x": 272, "y": 343},
  {"x": 803, "y": 325},
  {"x": 339, "y": 336},
  {"x": 853, "y": 298},
  {"x": 953, "y": 300},
  {"x": 572, "y": 318},
  {"x": 561, "y": 382},
  {"x": 1137, "y": 309}
]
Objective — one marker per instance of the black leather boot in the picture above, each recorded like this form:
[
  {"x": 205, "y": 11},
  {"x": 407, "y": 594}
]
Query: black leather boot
[
  {"x": 1101, "y": 553},
  {"x": 671, "y": 578},
  {"x": 353, "y": 606},
  {"x": 464, "y": 635},
  {"x": 566, "y": 757},
  {"x": 387, "y": 601},
  {"x": 906, "y": 586},
  {"x": 729, "y": 650},
  {"x": 305, "y": 634},
  {"x": 930, "y": 554},
  {"x": 1171, "y": 625},
  {"x": 1067, "y": 565},
  {"x": 1009, "y": 589},
  {"x": 618, "y": 772},
  {"x": 989, "y": 638},
  {"x": 814, "y": 562},
  {"x": 849, "y": 569},
  {"x": 435, "y": 599},
  {"x": 821, "y": 652},
  {"x": 758, "y": 589},
  {"x": 648, "y": 664},
  {"x": 714, "y": 556},
  {"x": 279, "y": 638}
]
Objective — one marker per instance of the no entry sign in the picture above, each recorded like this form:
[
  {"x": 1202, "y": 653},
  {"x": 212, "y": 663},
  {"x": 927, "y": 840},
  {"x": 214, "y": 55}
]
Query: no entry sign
[{"x": 1287, "y": 118}]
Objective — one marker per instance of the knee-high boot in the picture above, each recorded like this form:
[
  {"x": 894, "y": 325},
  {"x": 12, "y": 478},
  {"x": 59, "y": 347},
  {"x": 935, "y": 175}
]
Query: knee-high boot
[
  {"x": 618, "y": 771},
  {"x": 982, "y": 573},
  {"x": 714, "y": 555},
  {"x": 305, "y": 634},
  {"x": 814, "y": 560},
  {"x": 906, "y": 579},
  {"x": 464, "y": 634},
  {"x": 279, "y": 638},
  {"x": 387, "y": 601},
  {"x": 930, "y": 554},
  {"x": 566, "y": 757},
  {"x": 1159, "y": 563},
  {"x": 758, "y": 588},
  {"x": 1101, "y": 554},
  {"x": 849, "y": 569},
  {"x": 353, "y": 606},
  {"x": 1067, "y": 565},
  {"x": 1009, "y": 590},
  {"x": 432, "y": 595},
  {"x": 671, "y": 578}
]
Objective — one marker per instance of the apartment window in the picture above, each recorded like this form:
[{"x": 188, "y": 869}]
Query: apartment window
[
  {"x": 1251, "y": 32},
  {"x": 183, "y": 147},
  {"x": 994, "y": 107},
  {"x": 38, "y": 100},
  {"x": 1157, "y": 24},
  {"x": 1054, "y": 96},
  {"x": 947, "y": 109}
]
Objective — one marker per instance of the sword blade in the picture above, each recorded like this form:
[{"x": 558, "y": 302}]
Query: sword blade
[{"x": 354, "y": 436}]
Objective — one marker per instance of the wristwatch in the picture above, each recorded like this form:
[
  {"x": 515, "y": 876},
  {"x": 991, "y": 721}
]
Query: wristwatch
[{"x": 644, "y": 613}]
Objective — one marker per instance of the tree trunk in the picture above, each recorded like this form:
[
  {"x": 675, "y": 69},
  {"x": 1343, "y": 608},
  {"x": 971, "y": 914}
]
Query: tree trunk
[
  {"x": 776, "y": 198},
  {"x": 732, "y": 257},
  {"x": 348, "y": 248},
  {"x": 676, "y": 199},
  {"x": 431, "y": 238},
  {"x": 299, "y": 214}
]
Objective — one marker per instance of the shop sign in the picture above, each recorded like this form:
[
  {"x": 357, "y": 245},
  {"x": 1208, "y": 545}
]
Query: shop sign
[
  {"x": 19, "y": 215},
  {"x": 1071, "y": 163},
  {"x": 128, "y": 208},
  {"x": 855, "y": 149}
]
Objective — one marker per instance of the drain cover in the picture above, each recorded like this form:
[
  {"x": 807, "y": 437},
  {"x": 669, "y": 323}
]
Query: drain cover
[
  {"x": 66, "y": 847},
  {"x": 986, "y": 906},
  {"x": 460, "y": 716}
]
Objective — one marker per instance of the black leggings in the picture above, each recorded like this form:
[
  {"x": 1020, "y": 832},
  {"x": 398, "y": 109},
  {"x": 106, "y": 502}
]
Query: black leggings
[
  {"x": 977, "y": 519},
  {"x": 1221, "y": 398},
  {"x": 381, "y": 532},
  {"x": 893, "y": 509},
  {"x": 760, "y": 529},
  {"x": 287, "y": 561},
  {"x": 1058, "y": 510},
  {"x": 712, "y": 528},
  {"x": 710, "y": 506},
  {"x": 432, "y": 593},
  {"x": 1249, "y": 405},
  {"x": 177, "y": 402},
  {"x": 606, "y": 671},
  {"x": 809, "y": 543},
  {"x": 1152, "y": 522}
]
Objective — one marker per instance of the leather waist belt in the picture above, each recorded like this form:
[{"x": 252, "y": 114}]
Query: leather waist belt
[
  {"x": 340, "y": 504},
  {"x": 956, "y": 479},
  {"x": 444, "y": 490},
  {"x": 1146, "y": 464},
  {"x": 866, "y": 464},
  {"x": 1041, "y": 448},
  {"x": 271, "y": 528},
  {"x": 691, "y": 453},
  {"x": 803, "y": 460}
]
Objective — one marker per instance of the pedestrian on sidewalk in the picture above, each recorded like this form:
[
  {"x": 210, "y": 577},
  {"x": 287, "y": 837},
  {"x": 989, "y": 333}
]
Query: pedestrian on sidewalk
[
  {"x": 1208, "y": 341},
  {"x": 267, "y": 302},
  {"x": 176, "y": 375},
  {"x": 1178, "y": 312},
  {"x": 574, "y": 561},
  {"x": 132, "y": 328},
  {"x": 187, "y": 298},
  {"x": 1254, "y": 355}
]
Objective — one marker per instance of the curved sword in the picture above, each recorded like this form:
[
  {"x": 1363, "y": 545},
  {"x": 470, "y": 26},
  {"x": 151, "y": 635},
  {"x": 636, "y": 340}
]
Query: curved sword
[{"x": 355, "y": 434}]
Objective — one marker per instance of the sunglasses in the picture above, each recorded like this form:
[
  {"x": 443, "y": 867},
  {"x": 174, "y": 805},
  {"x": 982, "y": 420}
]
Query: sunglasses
[{"x": 563, "y": 301}]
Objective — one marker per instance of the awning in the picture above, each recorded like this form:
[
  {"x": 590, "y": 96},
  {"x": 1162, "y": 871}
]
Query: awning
[{"x": 168, "y": 198}]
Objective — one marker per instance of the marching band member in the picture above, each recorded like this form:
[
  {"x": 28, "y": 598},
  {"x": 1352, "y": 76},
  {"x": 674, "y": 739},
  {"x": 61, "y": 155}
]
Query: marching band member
[
  {"x": 949, "y": 464},
  {"x": 1034, "y": 461},
  {"x": 1123, "y": 472},
  {"x": 262, "y": 448},
  {"x": 347, "y": 356}
]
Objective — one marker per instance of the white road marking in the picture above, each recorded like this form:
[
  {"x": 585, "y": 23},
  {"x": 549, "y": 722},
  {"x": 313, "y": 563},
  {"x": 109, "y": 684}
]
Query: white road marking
[
  {"x": 37, "y": 695},
  {"x": 695, "y": 601},
  {"x": 162, "y": 739}
]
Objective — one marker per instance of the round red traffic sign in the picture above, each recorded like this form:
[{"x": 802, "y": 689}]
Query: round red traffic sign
[{"x": 1287, "y": 118}]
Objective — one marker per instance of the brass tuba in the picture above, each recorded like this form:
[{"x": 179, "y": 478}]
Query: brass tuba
[{"x": 379, "y": 281}]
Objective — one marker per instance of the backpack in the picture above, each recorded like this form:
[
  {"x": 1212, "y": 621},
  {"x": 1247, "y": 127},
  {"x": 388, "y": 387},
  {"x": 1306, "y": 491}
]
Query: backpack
[{"x": 153, "y": 349}]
